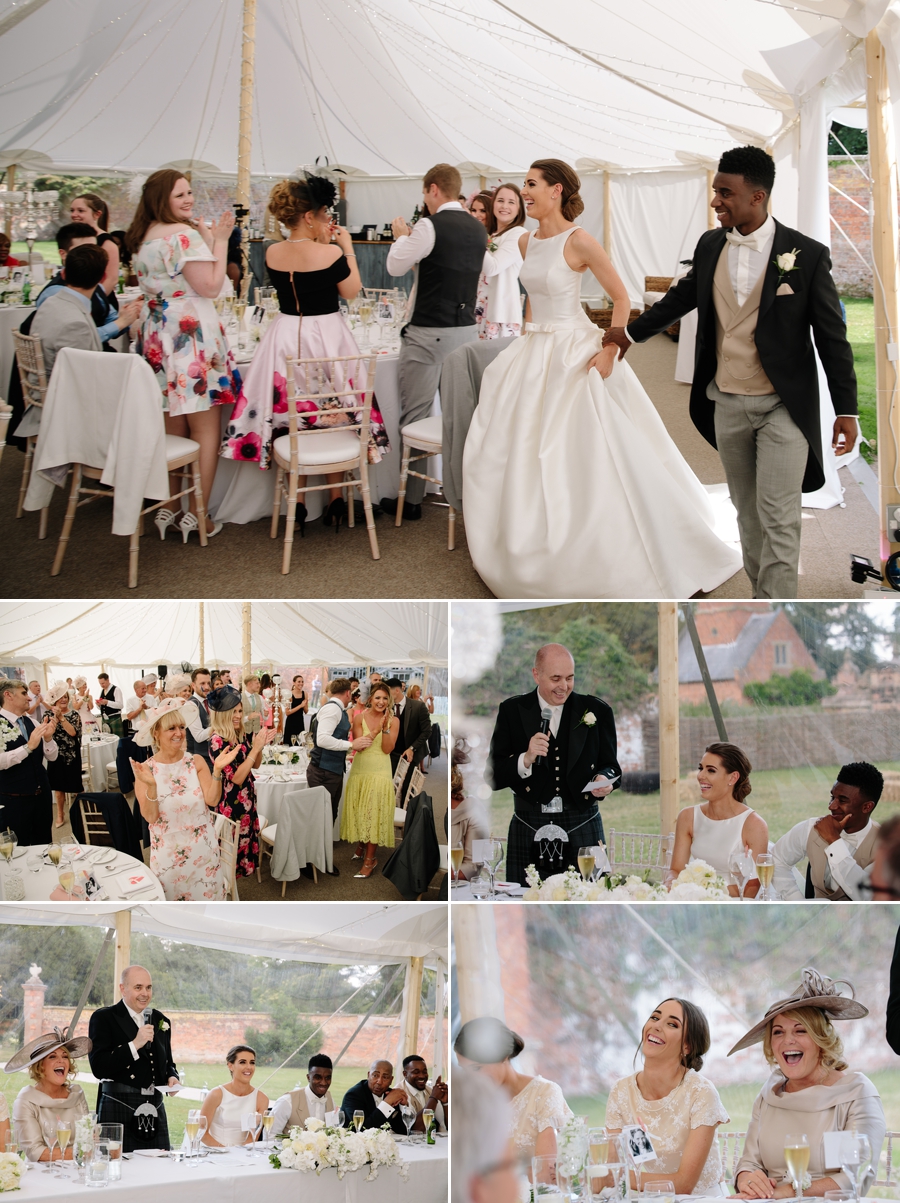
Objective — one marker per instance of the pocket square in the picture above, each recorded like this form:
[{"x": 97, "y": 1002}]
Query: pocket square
[{"x": 784, "y": 290}]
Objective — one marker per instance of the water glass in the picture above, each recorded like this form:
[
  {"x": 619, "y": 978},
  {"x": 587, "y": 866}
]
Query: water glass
[
  {"x": 544, "y": 1178},
  {"x": 479, "y": 888},
  {"x": 112, "y": 1136},
  {"x": 98, "y": 1166},
  {"x": 662, "y": 1191}
]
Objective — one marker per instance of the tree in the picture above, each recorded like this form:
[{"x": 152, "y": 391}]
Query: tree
[
  {"x": 287, "y": 1033},
  {"x": 829, "y": 628},
  {"x": 796, "y": 689},
  {"x": 855, "y": 141}
]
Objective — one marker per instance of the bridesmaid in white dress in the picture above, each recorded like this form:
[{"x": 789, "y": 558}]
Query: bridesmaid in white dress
[
  {"x": 578, "y": 489},
  {"x": 226, "y": 1105},
  {"x": 722, "y": 822}
]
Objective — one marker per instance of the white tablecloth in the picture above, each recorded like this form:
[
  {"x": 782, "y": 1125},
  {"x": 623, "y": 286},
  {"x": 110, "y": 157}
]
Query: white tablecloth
[
  {"x": 10, "y": 319},
  {"x": 102, "y": 752},
  {"x": 235, "y": 1177},
  {"x": 270, "y": 798},
  {"x": 39, "y": 886}
]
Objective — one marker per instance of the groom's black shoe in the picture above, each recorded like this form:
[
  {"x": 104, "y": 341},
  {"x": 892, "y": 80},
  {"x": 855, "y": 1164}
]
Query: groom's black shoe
[{"x": 411, "y": 513}]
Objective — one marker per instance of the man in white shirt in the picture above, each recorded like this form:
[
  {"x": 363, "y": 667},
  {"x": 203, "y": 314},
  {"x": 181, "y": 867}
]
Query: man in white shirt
[
  {"x": 331, "y": 732},
  {"x": 449, "y": 250},
  {"x": 198, "y": 731},
  {"x": 128, "y": 750},
  {"x": 840, "y": 847},
  {"x": 35, "y": 708},
  {"x": 25, "y": 799},
  {"x": 425, "y": 1095},
  {"x": 761, "y": 290},
  {"x": 314, "y": 1101},
  {"x": 110, "y": 702}
]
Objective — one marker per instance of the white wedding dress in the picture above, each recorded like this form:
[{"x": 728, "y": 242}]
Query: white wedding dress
[{"x": 572, "y": 486}]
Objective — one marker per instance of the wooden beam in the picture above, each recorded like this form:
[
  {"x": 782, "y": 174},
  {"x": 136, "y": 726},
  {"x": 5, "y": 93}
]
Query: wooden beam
[
  {"x": 123, "y": 950},
  {"x": 883, "y": 165},
  {"x": 479, "y": 987},
  {"x": 245, "y": 641},
  {"x": 245, "y": 132},
  {"x": 669, "y": 766},
  {"x": 412, "y": 997},
  {"x": 202, "y": 663}
]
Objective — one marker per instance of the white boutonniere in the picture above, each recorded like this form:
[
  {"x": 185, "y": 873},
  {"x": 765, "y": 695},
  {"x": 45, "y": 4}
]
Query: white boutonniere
[
  {"x": 588, "y": 719},
  {"x": 786, "y": 262},
  {"x": 163, "y": 1026}
]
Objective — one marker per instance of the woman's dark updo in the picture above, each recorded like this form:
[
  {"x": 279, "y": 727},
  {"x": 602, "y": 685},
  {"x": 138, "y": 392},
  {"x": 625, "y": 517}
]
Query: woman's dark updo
[
  {"x": 487, "y": 1041},
  {"x": 555, "y": 171},
  {"x": 694, "y": 1033},
  {"x": 734, "y": 761}
]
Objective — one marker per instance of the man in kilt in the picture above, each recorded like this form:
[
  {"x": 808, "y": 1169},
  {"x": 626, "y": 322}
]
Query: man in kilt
[
  {"x": 131, "y": 1058},
  {"x": 579, "y": 747}
]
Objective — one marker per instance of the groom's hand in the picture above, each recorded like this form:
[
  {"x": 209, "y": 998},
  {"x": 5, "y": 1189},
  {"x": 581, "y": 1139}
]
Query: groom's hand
[
  {"x": 538, "y": 745},
  {"x": 616, "y": 336},
  {"x": 844, "y": 424}
]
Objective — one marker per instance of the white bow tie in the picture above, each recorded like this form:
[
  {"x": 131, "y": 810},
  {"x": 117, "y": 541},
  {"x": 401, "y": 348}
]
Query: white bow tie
[{"x": 752, "y": 242}]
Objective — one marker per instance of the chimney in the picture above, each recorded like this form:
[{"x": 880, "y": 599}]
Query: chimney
[{"x": 34, "y": 990}]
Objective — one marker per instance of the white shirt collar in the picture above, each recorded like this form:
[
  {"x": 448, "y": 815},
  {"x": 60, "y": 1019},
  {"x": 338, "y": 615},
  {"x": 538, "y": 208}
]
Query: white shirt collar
[
  {"x": 855, "y": 838},
  {"x": 316, "y": 1105},
  {"x": 12, "y": 718},
  {"x": 544, "y": 704},
  {"x": 449, "y": 205},
  {"x": 137, "y": 1016}
]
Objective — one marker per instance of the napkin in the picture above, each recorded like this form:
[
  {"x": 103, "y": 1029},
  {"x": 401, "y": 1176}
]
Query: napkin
[{"x": 130, "y": 883}]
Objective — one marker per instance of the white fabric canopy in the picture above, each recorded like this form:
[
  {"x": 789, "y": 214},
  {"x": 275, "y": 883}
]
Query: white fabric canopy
[
  {"x": 137, "y": 634},
  {"x": 349, "y": 933}
]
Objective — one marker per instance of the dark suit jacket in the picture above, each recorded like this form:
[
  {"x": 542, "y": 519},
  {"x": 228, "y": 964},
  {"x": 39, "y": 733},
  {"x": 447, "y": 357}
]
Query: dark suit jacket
[
  {"x": 892, "y": 1027},
  {"x": 200, "y": 748},
  {"x": 415, "y": 728},
  {"x": 591, "y": 749},
  {"x": 361, "y": 1098},
  {"x": 110, "y": 1030},
  {"x": 782, "y": 336},
  {"x": 411, "y": 867}
]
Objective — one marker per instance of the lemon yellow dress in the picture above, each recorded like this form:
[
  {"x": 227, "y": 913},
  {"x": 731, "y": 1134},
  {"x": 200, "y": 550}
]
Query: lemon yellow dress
[{"x": 368, "y": 814}]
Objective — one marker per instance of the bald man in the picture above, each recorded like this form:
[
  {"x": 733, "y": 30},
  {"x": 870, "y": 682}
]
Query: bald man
[
  {"x": 548, "y": 771},
  {"x": 374, "y": 1097},
  {"x": 131, "y": 1055}
]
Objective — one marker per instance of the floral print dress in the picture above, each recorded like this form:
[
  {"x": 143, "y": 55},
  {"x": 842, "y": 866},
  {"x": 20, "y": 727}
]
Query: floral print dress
[
  {"x": 238, "y": 803},
  {"x": 184, "y": 851},
  {"x": 181, "y": 336}
]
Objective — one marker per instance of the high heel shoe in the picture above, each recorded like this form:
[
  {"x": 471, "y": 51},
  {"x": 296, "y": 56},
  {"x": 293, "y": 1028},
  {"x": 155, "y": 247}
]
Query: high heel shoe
[
  {"x": 357, "y": 852},
  {"x": 163, "y": 520},
  {"x": 189, "y": 523},
  {"x": 336, "y": 513},
  {"x": 369, "y": 867}
]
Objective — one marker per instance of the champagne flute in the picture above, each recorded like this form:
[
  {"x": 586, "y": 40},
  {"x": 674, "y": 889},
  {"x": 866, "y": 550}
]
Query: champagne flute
[
  {"x": 8, "y": 841},
  {"x": 251, "y": 1122},
  {"x": 267, "y": 1120},
  {"x": 365, "y": 313},
  {"x": 66, "y": 875},
  {"x": 456, "y": 859},
  {"x": 192, "y": 1129},
  {"x": 54, "y": 851},
  {"x": 765, "y": 871},
  {"x": 586, "y": 863},
  {"x": 796, "y": 1158},
  {"x": 202, "y": 1124},
  {"x": 495, "y": 856},
  {"x": 49, "y": 1129},
  {"x": 63, "y": 1136},
  {"x": 598, "y": 1158},
  {"x": 408, "y": 1115},
  {"x": 358, "y": 1120}
]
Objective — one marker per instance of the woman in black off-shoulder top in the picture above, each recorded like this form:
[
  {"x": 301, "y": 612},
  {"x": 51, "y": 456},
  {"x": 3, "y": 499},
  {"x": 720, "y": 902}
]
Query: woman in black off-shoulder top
[{"x": 310, "y": 273}]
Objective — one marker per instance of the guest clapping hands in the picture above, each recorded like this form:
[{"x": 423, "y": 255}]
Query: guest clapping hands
[{"x": 238, "y": 803}]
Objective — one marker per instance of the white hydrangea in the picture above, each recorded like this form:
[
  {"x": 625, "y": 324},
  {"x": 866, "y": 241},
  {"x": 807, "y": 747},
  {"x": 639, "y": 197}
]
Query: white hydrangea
[
  {"x": 318, "y": 1146},
  {"x": 11, "y": 1170}
]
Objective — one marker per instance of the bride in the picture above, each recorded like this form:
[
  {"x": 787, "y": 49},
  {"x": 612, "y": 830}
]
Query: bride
[{"x": 578, "y": 488}]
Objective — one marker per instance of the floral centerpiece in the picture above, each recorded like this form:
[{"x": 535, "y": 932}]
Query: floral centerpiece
[
  {"x": 698, "y": 881},
  {"x": 11, "y": 1169},
  {"x": 318, "y": 1147}
]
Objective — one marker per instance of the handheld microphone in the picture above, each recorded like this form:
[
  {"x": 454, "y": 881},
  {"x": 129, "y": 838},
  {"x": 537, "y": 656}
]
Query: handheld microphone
[
  {"x": 545, "y": 728},
  {"x": 147, "y": 1014}
]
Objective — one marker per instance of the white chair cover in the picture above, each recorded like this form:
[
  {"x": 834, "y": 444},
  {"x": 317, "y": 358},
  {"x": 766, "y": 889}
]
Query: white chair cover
[
  {"x": 303, "y": 834},
  {"x": 104, "y": 411}
]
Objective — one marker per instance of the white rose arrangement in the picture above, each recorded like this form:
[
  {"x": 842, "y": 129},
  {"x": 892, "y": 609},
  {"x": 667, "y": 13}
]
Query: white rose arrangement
[
  {"x": 11, "y": 1169},
  {"x": 318, "y": 1147},
  {"x": 696, "y": 882}
]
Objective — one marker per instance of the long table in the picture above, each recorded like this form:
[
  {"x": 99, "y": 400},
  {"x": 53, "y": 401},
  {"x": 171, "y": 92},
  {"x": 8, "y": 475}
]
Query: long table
[{"x": 235, "y": 1177}]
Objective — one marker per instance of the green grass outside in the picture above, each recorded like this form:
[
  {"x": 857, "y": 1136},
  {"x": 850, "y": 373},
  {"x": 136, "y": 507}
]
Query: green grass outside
[
  {"x": 782, "y": 796},
  {"x": 48, "y": 249},
  {"x": 861, "y": 332},
  {"x": 195, "y": 1075}
]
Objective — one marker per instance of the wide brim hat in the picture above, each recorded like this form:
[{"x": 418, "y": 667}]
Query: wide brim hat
[
  {"x": 52, "y": 696},
  {"x": 144, "y": 734},
  {"x": 225, "y": 698},
  {"x": 815, "y": 990},
  {"x": 43, "y": 1046}
]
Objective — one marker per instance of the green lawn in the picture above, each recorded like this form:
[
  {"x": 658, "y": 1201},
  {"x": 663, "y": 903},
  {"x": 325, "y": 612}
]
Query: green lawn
[
  {"x": 47, "y": 249},
  {"x": 861, "y": 332},
  {"x": 212, "y": 1075},
  {"x": 782, "y": 796}
]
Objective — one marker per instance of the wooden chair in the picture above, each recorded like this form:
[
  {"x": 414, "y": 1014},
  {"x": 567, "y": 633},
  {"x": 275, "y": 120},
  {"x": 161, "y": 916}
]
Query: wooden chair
[
  {"x": 637, "y": 851},
  {"x": 95, "y": 829},
  {"x": 87, "y": 773},
  {"x": 886, "y": 1161},
  {"x": 30, "y": 360},
  {"x": 5, "y": 416},
  {"x": 180, "y": 453},
  {"x": 731, "y": 1146},
  {"x": 263, "y": 824},
  {"x": 229, "y": 834},
  {"x": 416, "y": 783},
  {"x": 321, "y": 450},
  {"x": 425, "y": 437},
  {"x": 400, "y": 802},
  {"x": 267, "y": 837}
]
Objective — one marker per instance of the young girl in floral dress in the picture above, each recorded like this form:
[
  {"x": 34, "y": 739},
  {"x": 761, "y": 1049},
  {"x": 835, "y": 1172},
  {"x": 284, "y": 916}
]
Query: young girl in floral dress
[{"x": 226, "y": 718}]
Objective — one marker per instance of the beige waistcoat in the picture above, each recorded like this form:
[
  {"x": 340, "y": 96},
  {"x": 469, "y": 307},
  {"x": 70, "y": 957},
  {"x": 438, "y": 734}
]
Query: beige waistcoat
[
  {"x": 739, "y": 369},
  {"x": 818, "y": 861},
  {"x": 300, "y": 1107}
]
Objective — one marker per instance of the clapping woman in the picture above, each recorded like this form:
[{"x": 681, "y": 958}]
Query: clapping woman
[
  {"x": 296, "y": 710},
  {"x": 64, "y": 773},
  {"x": 225, "y": 1106},
  {"x": 226, "y": 717},
  {"x": 368, "y": 814},
  {"x": 503, "y": 314}
]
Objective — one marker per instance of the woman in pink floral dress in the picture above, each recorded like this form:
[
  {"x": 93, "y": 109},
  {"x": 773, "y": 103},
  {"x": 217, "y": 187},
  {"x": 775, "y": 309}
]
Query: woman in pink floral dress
[
  {"x": 177, "y": 795},
  {"x": 226, "y": 718},
  {"x": 180, "y": 265}
]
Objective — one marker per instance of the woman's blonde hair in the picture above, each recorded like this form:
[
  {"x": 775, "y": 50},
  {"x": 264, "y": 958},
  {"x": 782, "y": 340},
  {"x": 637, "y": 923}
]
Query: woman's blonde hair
[
  {"x": 821, "y": 1032},
  {"x": 172, "y": 718},
  {"x": 36, "y": 1073},
  {"x": 222, "y": 722},
  {"x": 379, "y": 688}
]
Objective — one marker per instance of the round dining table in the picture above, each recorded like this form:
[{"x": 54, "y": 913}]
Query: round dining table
[
  {"x": 118, "y": 875},
  {"x": 102, "y": 751}
]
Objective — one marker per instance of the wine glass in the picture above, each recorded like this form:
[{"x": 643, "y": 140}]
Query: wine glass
[
  {"x": 408, "y": 1115},
  {"x": 857, "y": 1159},
  {"x": 494, "y": 859},
  {"x": 765, "y": 871},
  {"x": 267, "y": 1120},
  {"x": 740, "y": 867},
  {"x": 796, "y": 1158},
  {"x": 66, "y": 875},
  {"x": 457, "y": 855},
  {"x": 63, "y": 1136},
  {"x": 48, "y": 1127},
  {"x": 54, "y": 852},
  {"x": 195, "y": 1128},
  {"x": 359, "y": 1118},
  {"x": 587, "y": 863},
  {"x": 251, "y": 1122},
  {"x": 8, "y": 841}
]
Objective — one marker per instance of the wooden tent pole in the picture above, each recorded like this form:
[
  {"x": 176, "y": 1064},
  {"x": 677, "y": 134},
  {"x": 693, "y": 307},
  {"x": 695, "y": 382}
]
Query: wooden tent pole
[
  {"x": 10, "y": 187},
  {"x": 480, "y": 989},
  {"x": 202, "y": 637},
  {"x": 669, "y": 766},
  {"x": 245, "y": 641},
  {"x": 123, "y": 949},
  {"x": 245, "y": 135},
  {"x": 883, "y": 165}
]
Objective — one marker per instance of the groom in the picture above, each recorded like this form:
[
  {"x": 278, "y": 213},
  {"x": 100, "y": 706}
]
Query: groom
[
  {"x": 547, "y": 772},
  {"x": 760, "y": 289}
]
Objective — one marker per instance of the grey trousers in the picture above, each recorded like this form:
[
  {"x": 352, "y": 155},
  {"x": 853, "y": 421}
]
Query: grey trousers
[
  {"x": 764, "y": 453},
  {"x": 460, "y": 385},
  {"x": 423, "y": 350}
]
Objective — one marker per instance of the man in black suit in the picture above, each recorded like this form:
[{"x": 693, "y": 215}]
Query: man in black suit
[
  {"x": 760, "y": 289},
  {"x": 415, "y": 728},
  {"x": 547, "y": 773},
  {"x": 26, "y": 805},
  {"x": 131, "y": 1056},
  {"x": 374, "y": 1097}
]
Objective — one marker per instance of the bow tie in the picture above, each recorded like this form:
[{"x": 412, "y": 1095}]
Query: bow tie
[{"x": 753, "y": 242}]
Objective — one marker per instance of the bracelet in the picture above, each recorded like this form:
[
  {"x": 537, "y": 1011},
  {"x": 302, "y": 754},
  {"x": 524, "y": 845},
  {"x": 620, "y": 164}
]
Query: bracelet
[
  {"x": 349, "y": 256},
  {"x": 217, "y": 776}
]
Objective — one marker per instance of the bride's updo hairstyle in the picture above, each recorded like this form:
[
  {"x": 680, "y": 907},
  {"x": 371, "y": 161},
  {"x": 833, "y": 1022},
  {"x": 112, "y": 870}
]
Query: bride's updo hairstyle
[
  {"x": 487, "y": 1041},
  {"x": 555, "y": 171},
  {"x": 290, "y": 199},
  {"x": 734, "y": 761}
]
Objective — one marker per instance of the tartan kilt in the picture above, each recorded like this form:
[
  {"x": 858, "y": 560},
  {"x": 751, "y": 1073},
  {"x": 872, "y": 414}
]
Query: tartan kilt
[
  {"x": 522, "y": 851},
  {"x": 114, "y": 1110},
  {"x": 116, "y": 727}
]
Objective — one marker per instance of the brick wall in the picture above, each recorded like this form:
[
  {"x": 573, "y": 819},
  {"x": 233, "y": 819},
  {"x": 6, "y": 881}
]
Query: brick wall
[
  {"x": 722, "y": 622},
  {"x": 852, "y": 277},
  {"x": 201, "y": 1037}
]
